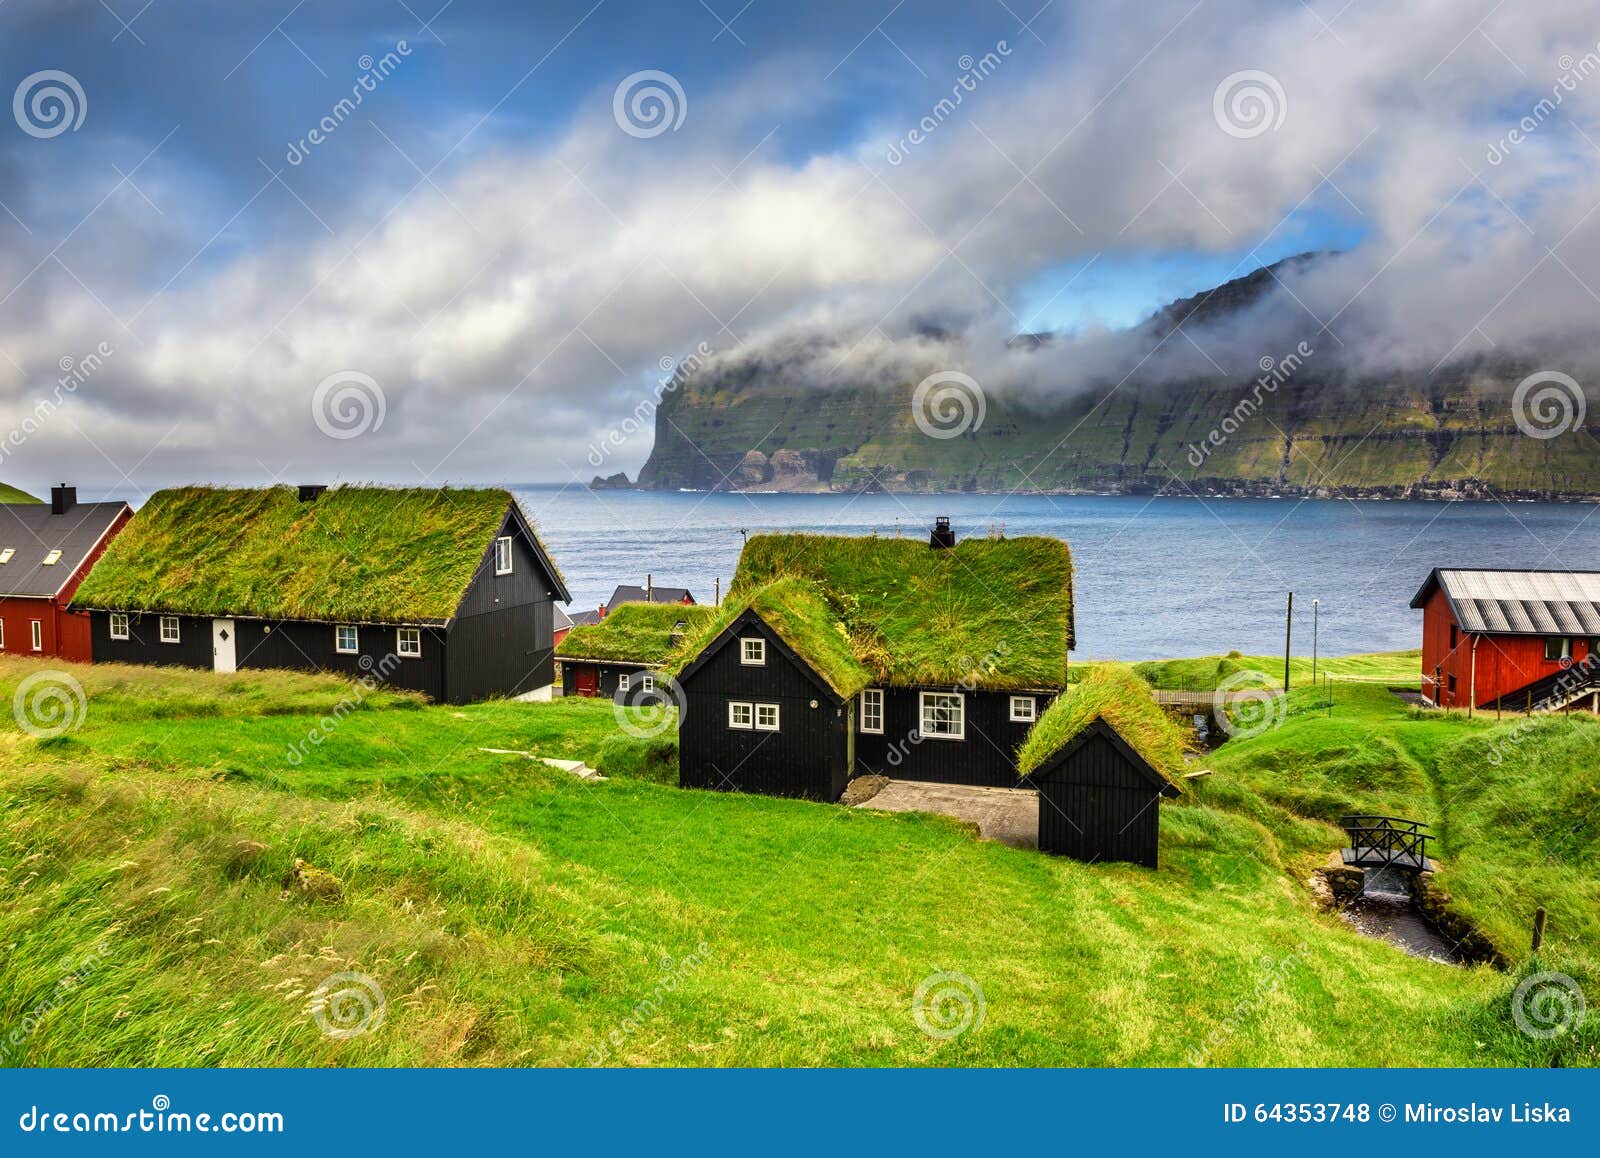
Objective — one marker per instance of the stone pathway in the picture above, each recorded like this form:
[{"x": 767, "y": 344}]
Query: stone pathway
[{"x": 1008, "y": 815}]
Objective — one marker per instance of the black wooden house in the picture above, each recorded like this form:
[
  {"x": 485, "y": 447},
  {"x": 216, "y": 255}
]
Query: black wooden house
[
  {"x": 622, "y": 653},
  {"x": 445, "y": 592}
]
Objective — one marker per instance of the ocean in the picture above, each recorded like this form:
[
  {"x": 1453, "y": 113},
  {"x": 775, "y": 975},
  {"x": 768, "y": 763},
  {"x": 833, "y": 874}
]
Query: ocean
[{"x": 1155, "y": 577}]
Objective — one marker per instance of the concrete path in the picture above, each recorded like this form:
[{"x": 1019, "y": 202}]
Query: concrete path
[{"x": 1008, "y": 815}]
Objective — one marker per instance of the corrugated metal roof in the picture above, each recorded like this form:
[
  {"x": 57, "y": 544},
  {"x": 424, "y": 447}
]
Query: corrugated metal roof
[
  {"x": 1524, "y": 602},
  {"x": 31, "y": 532}
]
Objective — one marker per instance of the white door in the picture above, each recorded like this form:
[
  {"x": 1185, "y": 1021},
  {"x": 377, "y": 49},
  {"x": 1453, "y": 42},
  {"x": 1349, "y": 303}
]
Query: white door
[{"x": 223, "y": 655}]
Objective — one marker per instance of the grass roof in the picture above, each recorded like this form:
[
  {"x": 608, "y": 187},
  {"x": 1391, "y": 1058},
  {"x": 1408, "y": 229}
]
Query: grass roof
[
  {"x": 10, "y": 494},
  {"x": 637, "y": 632},
  {"x": 992, "y": 613},
  {"x": 1120, "y": 698},
  {"x": 806, "y": 619},
  {"x": 355, "y": 553}
]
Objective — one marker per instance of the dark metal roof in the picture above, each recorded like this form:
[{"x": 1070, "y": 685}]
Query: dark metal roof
[
  {"x": 1519, "y": 602},
  {"x": 31, "y": 532},
  {"x": 583, "y": 618},
  {"x": 628, "y": 593}
]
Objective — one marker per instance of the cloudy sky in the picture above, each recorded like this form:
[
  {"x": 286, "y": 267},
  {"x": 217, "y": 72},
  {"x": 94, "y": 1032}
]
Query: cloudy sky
[{"x": 419, "y": 240}]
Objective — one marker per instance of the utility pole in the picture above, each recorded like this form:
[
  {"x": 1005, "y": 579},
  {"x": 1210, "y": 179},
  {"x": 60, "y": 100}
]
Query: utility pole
[
  {"x": 1288, "y": 632},
  {"x": 1316, "y": 605}
]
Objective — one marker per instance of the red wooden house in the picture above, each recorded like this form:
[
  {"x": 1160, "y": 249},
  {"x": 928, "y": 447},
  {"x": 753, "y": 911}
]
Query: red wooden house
[
  {"x": 45, "y": 551},
  {"x": 1511, "y": 640}
]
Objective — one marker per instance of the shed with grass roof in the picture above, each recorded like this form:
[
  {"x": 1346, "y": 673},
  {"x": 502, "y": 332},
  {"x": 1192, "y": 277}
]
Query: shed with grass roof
[
  {"x": 443, "y": 591},
  {"x": 1102, "y": 758},
  {"x": 838, "y": 656}
]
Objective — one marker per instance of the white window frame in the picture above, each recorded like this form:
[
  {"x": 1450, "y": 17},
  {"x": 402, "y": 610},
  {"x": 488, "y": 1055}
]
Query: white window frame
[
  {"x": 927, "y": 701},
  {"x": 402, "y": 636},
  {"x": 1030, "y": 708},
  {"x": 744, "y": 709},
  {"x": 2, "y": 635},
  {"x": 623, "y": 681},
  {"x": 5, "y": 555},
  {"x": 338, "y": 639},
  {"x": 752, "y": 651},
  {"x": 1564, "y": 651},
  {"x": 502, "y": 555},
  {"x": 52, "y": 558},
  {"x": 773, "y": 726},
  {"x": 872, "y": 701},
  {"x": 119, "y": 625},
  {"x": 647, "y": 682},
  {"x": 177, "y": 629},
  {"x": 36, "y": 630}
]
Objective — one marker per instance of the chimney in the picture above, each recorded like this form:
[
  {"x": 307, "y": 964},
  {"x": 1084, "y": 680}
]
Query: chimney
[
  {"x": 62, "y": 499},
  {"x": 649, "y": 588},
  {"x": 942, "y": 535},
  {"x": 602, "y": 614},
  {"x": 310, "y": 494}
]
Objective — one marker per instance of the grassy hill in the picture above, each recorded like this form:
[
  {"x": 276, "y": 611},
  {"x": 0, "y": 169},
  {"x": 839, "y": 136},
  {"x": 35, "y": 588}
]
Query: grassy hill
[
  {"x": 514, "y": 915},
  {"x": 10, "y": 494}
]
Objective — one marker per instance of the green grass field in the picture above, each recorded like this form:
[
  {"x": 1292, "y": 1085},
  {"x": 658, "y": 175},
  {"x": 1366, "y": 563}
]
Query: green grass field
[{"x": 514, "y": 915}]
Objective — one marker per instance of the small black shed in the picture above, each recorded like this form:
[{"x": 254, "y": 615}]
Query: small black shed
[{"x": 1099, "y": 799}]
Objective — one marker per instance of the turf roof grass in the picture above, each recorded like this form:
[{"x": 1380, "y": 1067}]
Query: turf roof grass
[
  {"x": 10, "y": 494},
  {"x": 637, "y": 632},
  {"x": 355, "y": 553},
  {"x": 803, "y": 616},
  {"x": 989, "y": 613},
  {"x": 1120, "y": 698}
]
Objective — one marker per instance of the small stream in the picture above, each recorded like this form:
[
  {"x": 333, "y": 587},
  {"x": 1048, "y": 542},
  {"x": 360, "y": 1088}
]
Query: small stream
[{"x": 1385, "y": 911}]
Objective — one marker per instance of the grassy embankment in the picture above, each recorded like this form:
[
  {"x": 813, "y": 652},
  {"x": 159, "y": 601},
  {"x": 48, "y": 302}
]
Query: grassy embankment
[{"x": 515, "y": 915}]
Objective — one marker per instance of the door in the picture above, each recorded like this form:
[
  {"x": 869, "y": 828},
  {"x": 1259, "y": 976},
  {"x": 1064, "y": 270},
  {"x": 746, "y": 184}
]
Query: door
[
  {"x": 587, "y": 679},
  {"x": 223, "y": 653}
]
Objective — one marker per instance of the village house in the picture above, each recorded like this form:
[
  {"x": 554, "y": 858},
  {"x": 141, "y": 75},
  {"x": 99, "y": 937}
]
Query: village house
[
  {"x": 442, "y": 591},
  {"x": 46, "y": 549},
  {"x": 841, "y": 656},
  {"x": 623, "y": 652},
  {"x": 1510, "y": 640}
]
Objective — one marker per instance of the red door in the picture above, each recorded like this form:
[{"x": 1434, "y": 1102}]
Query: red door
[{"x": 587, "y": 679}]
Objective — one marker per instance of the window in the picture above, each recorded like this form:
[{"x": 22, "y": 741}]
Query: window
[
  {"x": 944, "y": 715},
  {"x": 647, "y": 682},
  {"x": 169, "y": 629},
  {"x": 1557, "y": 647},
  {"x": 741, "y": 715},
  {"x": 1455, "y": 636},
  {"x": 5, "y": 556},
  {"x": 622, "y": 682},
  {"x": 872, "y": 710},
  {"x": 1023, "y": 709},
  {"x": 119, "y": 625},
  {"x": 1452, "y": 685},
  {"x": 2, "y": 634},
  {"x": 408, "y": 643},
  {"x": 767, "y": 717},
  {"x": 502, "y": 555},
  {"x": 52, "y": 558},
  {"x": 346, "y": 639},
  {"x": 753, "y": 651},
  {"x": 38, "y": 635}
]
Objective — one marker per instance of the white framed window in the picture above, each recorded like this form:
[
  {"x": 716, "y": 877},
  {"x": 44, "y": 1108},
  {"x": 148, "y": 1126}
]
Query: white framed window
[
  {"x": 1557, "y": 647},
  {"x": 5, "y": 556},
  {"x": 647, "y": 682},
  {"x": 51, "y": 559},
  {"x": 872, "y": 711},
  {"x": 1024, "y": 709},
  {"x": 622, "y": 682},
  {"x": 766, "y": 717},
  {"x": 944, "y": 715},
  {"x": 741, "y": 715},
  {"x": 346, "y": 639},
  {"x": 119, "y": 625},
  {"x": 2, "y": 634},
  {"x": 408, "y": 643},
  {"x": 37, "y": 629},
  {"x": 170, "y": 632},
  {"x": 502, "y": 555},
  {"x": 753, "y": 651}
]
